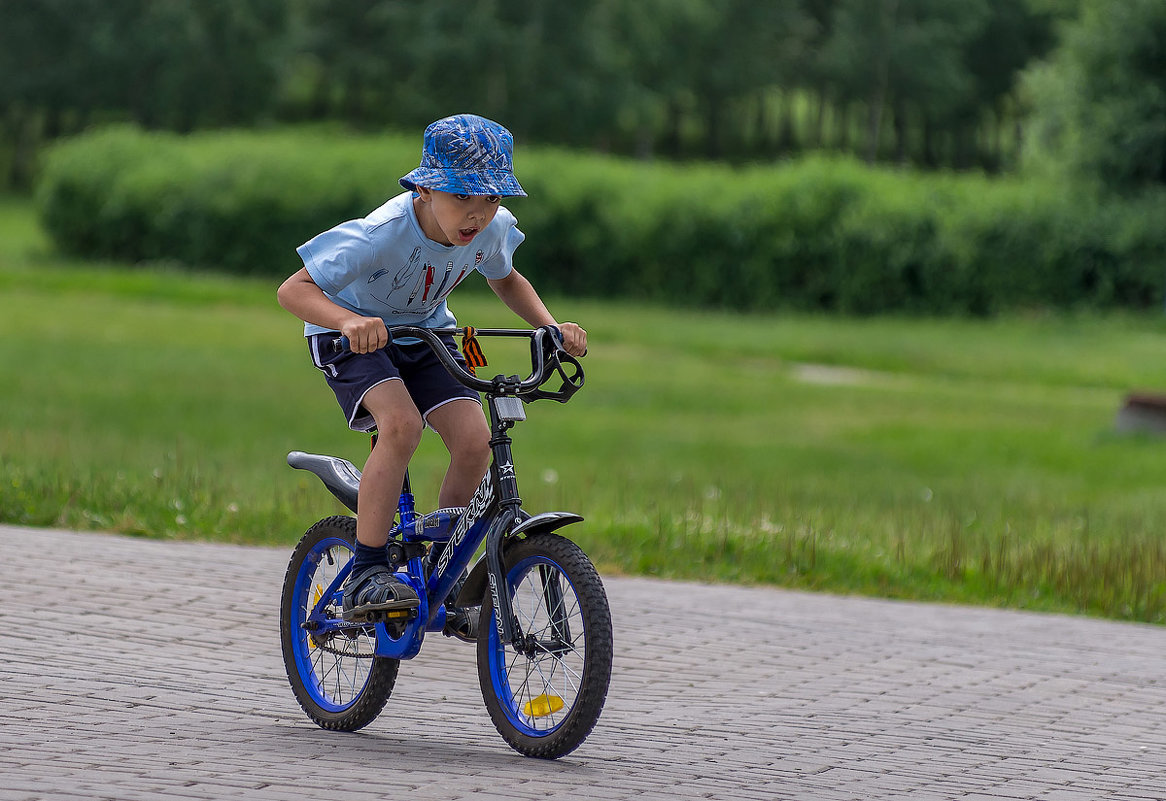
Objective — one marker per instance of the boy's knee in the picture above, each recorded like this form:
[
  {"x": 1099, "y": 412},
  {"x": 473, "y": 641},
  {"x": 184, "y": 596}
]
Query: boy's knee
[
  {"x": 401, "y": 430},
  {"x": 482, "y": 449},
  {"x": 475, "y": 448}
]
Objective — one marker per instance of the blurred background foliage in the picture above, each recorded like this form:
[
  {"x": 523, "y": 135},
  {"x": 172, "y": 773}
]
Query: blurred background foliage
[
  {"x": 750, "y": 154},
  {"x": 933, "y": 83}
]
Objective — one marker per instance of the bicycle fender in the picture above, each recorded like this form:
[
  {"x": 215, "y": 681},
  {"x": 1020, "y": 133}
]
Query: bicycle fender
[
  {"x": 477, "y": 584},
  {"x": 547, "y": 521}
]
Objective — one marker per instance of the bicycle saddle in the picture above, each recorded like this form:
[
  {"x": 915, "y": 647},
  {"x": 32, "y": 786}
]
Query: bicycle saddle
[{"x": 340, "y": 476}]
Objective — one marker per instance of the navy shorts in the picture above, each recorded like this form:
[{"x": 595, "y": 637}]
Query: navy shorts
[{"x": 352, "y": 375}]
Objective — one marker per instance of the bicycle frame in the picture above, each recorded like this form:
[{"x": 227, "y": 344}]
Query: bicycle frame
[{"x": 493, "y": 515}]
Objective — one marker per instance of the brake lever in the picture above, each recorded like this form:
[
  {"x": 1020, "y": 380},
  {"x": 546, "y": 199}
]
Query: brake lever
[{"x": 555, "y": 358}]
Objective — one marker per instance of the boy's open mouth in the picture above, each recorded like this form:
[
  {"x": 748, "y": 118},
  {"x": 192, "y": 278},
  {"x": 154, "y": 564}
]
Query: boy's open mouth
[{"x": 467, "y": 234}]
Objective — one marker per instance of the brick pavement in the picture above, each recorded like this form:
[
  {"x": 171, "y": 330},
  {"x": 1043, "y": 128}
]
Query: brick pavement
[{"x": 151, "y": 670}]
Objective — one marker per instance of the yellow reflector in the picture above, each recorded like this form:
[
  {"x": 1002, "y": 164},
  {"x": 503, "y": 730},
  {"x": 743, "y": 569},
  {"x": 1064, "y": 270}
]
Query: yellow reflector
[{"x": 542, "y": 706}]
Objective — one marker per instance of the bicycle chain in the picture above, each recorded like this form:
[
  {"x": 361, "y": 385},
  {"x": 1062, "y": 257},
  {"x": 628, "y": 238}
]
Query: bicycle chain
[{"x": 328, "y": 649}]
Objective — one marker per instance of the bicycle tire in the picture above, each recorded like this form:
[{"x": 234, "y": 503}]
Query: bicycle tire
[
  {"x": 336, "y": 679},
  {"x": 546, "y": 701}
]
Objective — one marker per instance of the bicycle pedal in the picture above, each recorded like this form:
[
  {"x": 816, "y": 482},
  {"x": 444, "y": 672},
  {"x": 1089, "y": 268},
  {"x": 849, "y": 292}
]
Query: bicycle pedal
[
  {"x": 462, "y": 624},
  {"x": 382, "y": 616},
  {"x": 386, "y": 615}
]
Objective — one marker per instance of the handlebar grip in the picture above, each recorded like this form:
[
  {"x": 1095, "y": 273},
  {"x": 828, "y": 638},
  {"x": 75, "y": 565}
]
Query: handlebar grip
[
  {"x": 558, "y": 334},
  {"x": 341, "y": 343}
]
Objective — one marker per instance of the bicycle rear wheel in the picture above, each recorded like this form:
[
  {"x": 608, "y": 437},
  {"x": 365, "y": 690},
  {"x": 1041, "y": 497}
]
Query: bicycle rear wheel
[
  {"x": 545, "y": 693},
  {"x": 331, "y": 665}
]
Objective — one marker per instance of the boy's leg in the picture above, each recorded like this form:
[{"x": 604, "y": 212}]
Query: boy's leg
[
  {"x": 372, "y": 587},
  {"x": 399, "y": 429},
  {"x": 463, "y": 428}
]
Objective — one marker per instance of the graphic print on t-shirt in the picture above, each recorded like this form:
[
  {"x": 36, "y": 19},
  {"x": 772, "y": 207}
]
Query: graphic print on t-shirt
[
  {"x": 445, "y": 287},
  {"x": 419, "y": 278},
  {"x": 441, "y": 286},
  {"x": 417, "y": 286},
  {"x": 428, "y": 281},
  {"x": 458, "y": 280},
  {"x": 384, "y": 292}
]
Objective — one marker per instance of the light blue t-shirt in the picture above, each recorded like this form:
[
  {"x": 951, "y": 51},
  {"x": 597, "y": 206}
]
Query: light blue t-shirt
[{"x": 385, "y": 266}]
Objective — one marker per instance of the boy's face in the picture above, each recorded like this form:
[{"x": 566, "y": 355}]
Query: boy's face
[{"x": 450, "y": 219}]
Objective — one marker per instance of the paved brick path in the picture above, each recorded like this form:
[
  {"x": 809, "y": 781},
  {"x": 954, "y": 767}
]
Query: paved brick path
[{"x": 151, "y": 670}]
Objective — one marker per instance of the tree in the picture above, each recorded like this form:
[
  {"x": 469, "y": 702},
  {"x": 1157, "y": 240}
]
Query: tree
[
  {"x": 903, "y": 53},
  {"x": 1015, "y": 34},
  {"x": 163, "y": 63},
  {"x": 682, "y": 78},
  {"x": 1100, "y": 101},
  {"x": 45, "y": 51}
]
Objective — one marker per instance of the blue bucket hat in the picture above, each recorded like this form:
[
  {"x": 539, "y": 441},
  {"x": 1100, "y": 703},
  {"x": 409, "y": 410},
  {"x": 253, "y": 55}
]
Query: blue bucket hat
[{"x": 466, "y": 155}]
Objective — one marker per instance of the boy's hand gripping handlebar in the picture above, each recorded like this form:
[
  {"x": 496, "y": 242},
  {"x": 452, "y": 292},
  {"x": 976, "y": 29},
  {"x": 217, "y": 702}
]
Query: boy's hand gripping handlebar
[{"x": 547, "y": 358}]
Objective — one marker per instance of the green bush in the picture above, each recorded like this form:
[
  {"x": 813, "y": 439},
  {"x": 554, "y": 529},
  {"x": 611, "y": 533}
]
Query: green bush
[
  {"x": 820, "y": 233},
  {"x": 236, "y": 201}
]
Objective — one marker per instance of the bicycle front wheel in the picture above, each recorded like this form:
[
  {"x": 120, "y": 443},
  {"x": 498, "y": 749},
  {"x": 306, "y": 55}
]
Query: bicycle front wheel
[
  {"x": 331, "y": 665},
  {"x": 545, "y": 692}
]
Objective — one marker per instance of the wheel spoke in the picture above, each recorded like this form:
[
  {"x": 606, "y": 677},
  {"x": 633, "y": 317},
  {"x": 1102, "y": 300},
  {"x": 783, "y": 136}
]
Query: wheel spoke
[{"x": 548, "y": 613}]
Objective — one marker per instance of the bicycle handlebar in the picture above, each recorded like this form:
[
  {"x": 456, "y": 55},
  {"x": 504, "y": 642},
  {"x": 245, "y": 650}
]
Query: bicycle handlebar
[{"x": 547, "y": 357}]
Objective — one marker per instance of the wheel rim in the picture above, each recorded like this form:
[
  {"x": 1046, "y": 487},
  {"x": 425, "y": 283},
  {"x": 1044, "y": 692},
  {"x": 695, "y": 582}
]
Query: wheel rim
[
  {"x": 538, "y": 692},
  {"x": 335, "y": 665}
]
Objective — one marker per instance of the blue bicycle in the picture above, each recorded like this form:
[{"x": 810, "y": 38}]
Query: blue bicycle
[{"x": 533, "y": 603}]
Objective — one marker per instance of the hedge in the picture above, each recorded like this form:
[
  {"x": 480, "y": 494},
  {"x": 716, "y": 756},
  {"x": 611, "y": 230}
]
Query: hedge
[{"x": 819, "y": 233}]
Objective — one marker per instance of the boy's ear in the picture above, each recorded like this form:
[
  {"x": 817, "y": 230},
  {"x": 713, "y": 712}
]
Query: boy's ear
[{"x": 424, "y": 193}]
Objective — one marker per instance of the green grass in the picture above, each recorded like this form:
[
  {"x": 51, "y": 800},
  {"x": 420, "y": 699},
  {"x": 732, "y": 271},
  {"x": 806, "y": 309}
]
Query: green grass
[{"x": 948, "y": 459}]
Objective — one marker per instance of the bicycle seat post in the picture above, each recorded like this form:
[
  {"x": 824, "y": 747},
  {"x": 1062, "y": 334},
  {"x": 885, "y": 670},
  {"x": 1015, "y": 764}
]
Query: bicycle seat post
[{"x": 406, "y": 508}]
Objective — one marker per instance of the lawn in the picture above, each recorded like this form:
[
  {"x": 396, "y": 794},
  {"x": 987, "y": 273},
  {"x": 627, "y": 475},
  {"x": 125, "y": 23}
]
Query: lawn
[{"x": 952, "y": 459}]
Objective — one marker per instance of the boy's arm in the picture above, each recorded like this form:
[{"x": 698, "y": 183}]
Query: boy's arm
[
  {"x": 522, "y": 299},
  {"x": 300, "y": 295}
]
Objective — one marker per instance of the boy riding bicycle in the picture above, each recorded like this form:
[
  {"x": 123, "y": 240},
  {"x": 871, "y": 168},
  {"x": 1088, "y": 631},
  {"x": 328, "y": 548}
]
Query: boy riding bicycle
[{"x": 397, "y": 267}]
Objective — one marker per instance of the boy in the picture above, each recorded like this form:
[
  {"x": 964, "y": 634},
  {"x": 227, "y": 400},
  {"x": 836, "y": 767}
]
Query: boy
[{"x": 396, "y": 267}]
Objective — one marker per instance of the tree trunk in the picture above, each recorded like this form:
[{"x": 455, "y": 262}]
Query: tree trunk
[
  {"x": 819, "y": 126},
  {"x": 881, "y": 89},
  {"x": 844, "y": 123},
  {"x": 672, "y": 143},
  {"x": 714, "y": 124},
  {"x": 786, "y": 139},
  {"x": 874, "y": 123},
  {"x": 929, "y": 156},
  {"x": 899, "y": 122},
  {"x": 21, "y": 127}
]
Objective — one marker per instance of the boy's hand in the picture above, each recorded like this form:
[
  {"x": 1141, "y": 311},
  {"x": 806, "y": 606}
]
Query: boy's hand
[
  {"x": 574, "y": 339},
  {"x": 365, "y": 334}
]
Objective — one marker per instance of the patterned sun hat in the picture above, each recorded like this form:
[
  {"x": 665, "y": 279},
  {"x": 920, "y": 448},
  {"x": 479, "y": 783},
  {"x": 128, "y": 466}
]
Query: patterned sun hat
[{"x": 466, "y": 155}]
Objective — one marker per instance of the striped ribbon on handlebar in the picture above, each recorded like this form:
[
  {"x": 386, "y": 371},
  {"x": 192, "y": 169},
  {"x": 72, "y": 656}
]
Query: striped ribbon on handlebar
[{"x": 472, "y": 349}]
